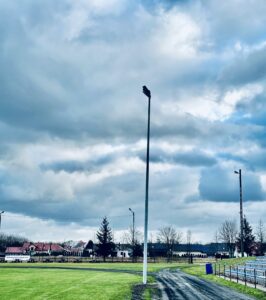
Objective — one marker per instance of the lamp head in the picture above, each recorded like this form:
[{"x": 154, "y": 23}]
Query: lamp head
[
  {"x": 236, "y": 172},
  {"x": 146, "y": 91}
]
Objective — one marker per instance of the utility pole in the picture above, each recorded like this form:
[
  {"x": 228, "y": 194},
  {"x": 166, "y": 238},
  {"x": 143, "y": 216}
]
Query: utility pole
[
  {"x": 133, "y": 233},
  {"x": 147, "y": 93},
  {"x": 241, "y": 212}
]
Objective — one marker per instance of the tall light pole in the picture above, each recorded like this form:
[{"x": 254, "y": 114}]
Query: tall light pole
[
  {"x": 241, "y": 212},
  {"x": 147, "y": 93},
  {"x": 1, "y": 217},
  {"x": 133, "y": 233}
]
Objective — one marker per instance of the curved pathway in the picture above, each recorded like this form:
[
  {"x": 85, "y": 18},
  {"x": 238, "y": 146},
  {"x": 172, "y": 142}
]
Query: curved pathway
[{"x": 178, "y": 285}]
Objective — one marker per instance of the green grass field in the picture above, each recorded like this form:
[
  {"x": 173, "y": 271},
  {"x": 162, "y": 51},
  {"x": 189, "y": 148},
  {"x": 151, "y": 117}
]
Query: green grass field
[
  {"x": 65, "y": 284},
  {"x": 22, "y": 283},
  {"x": 152, "y": 267}
]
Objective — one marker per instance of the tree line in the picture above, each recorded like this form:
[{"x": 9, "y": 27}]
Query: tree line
[{"x": 253, "y": 243}]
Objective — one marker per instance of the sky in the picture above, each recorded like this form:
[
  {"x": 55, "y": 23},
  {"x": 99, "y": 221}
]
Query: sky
[{"x": 73, "y": 119}]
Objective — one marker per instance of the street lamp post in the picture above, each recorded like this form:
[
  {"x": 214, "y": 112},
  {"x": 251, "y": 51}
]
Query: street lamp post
[
  {"x": 1, "y": 217},
  {"x": 133, "y": 233},
  {"x": 147, "y": 93},
  {"x": 241, "y": 212}
]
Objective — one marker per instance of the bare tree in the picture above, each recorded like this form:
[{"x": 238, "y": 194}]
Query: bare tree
[
  {"x": 169, "y": 236},
  {"x": 189, "y": 234},
  {"x": 215, "y": 247},
  {"x": 227, "y": 234},
  {"x": 260, "y": 234},
  {"x": 127, "y": 236}
]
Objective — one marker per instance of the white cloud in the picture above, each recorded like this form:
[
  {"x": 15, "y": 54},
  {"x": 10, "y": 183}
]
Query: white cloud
[
  {"x": 177, "y": 35},
  {"x": 211, "y": 105},
  {"x": 74, "y": 101}
]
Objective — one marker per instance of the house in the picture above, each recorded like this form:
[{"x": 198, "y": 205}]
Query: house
[
  {"x": 16, "y": 254},
  {"x": 41, "y": 248},
  {"x": 122, "y": 253},
  {"x": 123, "y": 250}
]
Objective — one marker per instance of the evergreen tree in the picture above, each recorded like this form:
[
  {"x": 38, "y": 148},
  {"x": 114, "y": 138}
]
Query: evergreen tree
[
  {"x": 88, "y": 250},
  {"x": 260, "y": 233},
  {"x": 104, "y": 235},
  {"x": 89, "y": 245},
  {"x": 137, "y": 250},
  {"x": 248, "y": 238}
]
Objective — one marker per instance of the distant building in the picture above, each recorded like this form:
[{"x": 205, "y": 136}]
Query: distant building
[
  {"x": 14, "y": 250},
  {"x": 183, "y": 250},
  {"x": 41, "y": 248},
  {"x": 16, "y": 254},
  {"x": 122, "y": 253}
]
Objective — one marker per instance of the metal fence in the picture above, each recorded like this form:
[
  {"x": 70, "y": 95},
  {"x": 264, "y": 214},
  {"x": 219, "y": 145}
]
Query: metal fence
[{"x": 250, "y": 272}]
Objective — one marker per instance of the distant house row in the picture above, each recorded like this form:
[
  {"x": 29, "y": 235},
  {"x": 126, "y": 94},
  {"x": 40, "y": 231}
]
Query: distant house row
[
  {"x": 122, "y": 250},
  {"x": 40, "y": 249}
]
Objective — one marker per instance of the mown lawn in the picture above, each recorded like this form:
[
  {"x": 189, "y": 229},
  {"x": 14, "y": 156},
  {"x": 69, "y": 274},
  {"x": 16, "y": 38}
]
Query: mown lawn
[
  {"x": 152, "y": 267},
  {"x": 65, "y": 284},
  {"x": 22, "y": 283},
  {"x": 199, "y": 270}
]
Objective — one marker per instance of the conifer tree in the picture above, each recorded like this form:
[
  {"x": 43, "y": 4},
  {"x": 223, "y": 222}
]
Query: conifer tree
[
  {"x": 248, "y": 238},
  {"x": 104, "y": 235}
]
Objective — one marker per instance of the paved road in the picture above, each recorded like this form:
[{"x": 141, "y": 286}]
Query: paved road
[{"x": 178, "y": 285}]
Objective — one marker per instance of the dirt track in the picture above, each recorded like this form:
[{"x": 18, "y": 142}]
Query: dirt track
[{"x": 178, "y": 285}]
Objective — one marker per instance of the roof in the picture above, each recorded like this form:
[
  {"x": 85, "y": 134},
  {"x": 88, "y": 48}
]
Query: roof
[
  {"x": 80, "y": 244},
  {"x": 207, "y": 248},
  {"x": 14, "y": 250},
  {"x": 40, "y": 246}
]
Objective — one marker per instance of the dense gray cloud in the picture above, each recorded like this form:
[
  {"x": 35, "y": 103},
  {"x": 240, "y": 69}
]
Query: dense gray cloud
[
  {"x": 73, "y": 118},
  {"x": 249, "y": 67},
  {"x": 217, "y": 184}
]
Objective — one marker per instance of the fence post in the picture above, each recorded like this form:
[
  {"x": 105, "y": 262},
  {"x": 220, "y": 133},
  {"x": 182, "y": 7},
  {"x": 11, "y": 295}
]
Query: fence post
[
  {"x": 219, "y": 270},
  {"x": 245, "y": 276},
  {"x": 224, "y": 271},
  {"x": 215, "y": 269},
  {"x": 237, "y": 273},
  {"x": 255, "y": 280},
  {"x": 230, "y": 272}
]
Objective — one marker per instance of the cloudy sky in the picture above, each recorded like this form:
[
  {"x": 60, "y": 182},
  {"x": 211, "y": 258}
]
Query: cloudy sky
[{"x": 73, "y": 119}]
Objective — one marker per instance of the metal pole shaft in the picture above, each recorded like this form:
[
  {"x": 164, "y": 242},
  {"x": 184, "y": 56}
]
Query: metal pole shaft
[
  {"x": 133, "y": 229},
  {"x": 145, "y": 254},
  {"x": 241, "y": 215}
]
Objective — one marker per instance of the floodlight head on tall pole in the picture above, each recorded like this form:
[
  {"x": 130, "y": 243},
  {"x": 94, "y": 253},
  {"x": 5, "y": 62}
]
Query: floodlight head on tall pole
[
  {"x": 241, "y": 212},
  {"x": 147, "y": 93}
]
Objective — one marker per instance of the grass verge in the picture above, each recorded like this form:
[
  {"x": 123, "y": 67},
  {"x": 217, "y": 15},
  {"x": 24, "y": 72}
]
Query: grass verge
[{"x": 199, "y": 270}]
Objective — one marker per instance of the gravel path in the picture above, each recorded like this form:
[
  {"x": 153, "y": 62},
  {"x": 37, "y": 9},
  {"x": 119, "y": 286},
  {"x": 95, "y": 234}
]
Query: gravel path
[{"x": 178, "y": 285}]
